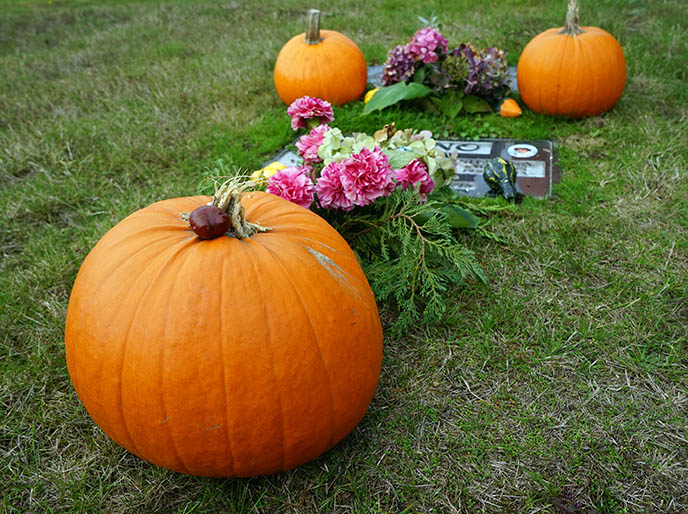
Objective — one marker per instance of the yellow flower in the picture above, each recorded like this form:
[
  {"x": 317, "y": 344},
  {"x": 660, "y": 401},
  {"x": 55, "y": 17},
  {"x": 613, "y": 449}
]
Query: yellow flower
[
  {"x": 262, "y": 175},
  {"x": 370, "y": 94}
]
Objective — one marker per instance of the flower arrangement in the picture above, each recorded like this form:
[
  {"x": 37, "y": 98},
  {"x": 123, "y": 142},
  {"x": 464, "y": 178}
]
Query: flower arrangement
[
  {"x": 451, "y": 80},
  {"x": 344, "y": 172},
  {"x": 386, "y": 194}
]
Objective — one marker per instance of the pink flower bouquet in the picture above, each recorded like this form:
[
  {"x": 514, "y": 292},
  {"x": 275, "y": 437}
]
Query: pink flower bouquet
[{"x": 343, "y": 172}]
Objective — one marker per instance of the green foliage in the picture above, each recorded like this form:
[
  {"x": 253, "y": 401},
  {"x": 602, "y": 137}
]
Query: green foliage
[
  {"x": 475, "y": 128},
  {"x": 473, "y": 104},
  {"x": 391, "y": 95},
  {"x": 410, "y": 252},
  {"x": 456, "y": 216},
  {"x": 453, "y": 102},
  {"x": 449, "y": 105}
]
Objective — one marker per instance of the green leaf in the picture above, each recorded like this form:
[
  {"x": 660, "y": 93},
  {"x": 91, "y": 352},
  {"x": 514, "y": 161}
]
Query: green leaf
[
  {"x": 430, "y": 104},
  {"x": 451, "y": 105},
  {"x": 456, "y": 216},
  {"x": 460, "y": 218},
  {"x": 399, "y": 159},
  {"x": 390, "y": 95},
  {"x": 473, "y": 104},
  {"x": 419, "y": 76}
]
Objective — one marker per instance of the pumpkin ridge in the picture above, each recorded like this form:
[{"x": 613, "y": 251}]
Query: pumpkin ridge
[
  {"x": 257, "y": 201},
  {"x": 111, "y": 273},
  {"x": 105, "y": 279},
  {"x": 296, "y": 237},
  {"x": 223, "y": 354},
  {"x": 610, "y": 56},
  {"x": 163, "y": 403},
  {"x": 133, "y": 236},
  {"x": 266, "y": 314},
  {"x": 323, "y": 81},
  {"x": 539, "y": 97},
  {"x": 285, "y": 227},
  {"x": 160, "y": 209},
  {"x": 593, "y": 81},
  {"x": 563, "y": 58},
  {"x": 352, "y": 281},
  {"x": 570, "y": 58},
  {"x": 281, "y": 223},
  {"x": 330, "y": 391},
  {"x": 127, "y": 332},
  {"x": 593, "y": 84},
  {"x": 541, "y": 91}
]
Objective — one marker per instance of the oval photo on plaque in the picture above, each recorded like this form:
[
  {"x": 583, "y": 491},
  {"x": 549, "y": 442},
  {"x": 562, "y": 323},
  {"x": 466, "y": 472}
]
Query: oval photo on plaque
[{"x": 522, "y": 151}]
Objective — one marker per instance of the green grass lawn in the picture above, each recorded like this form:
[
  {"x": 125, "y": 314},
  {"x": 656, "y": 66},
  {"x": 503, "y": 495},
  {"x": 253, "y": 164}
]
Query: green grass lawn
[{"x": 562, "y": 385}]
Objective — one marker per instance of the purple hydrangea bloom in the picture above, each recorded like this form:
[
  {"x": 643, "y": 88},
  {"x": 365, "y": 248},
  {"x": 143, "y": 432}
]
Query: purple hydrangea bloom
[
  {"x": 400, "y": 66},
  {"x": 486, "y": 71}
]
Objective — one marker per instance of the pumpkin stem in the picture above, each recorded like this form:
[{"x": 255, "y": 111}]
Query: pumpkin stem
[
  {"x": 313, "y": 27},
  {"x": 228, "y": 198},
  {"x": 572, "y": 28}
]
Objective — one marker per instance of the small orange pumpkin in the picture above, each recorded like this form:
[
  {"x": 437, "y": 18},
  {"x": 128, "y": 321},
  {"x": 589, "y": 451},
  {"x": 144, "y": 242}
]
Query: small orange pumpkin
[
  {"x": 224, "y": 356},
  {"x": 573, "y": 71},
  {"x": 321, "y": 63}
]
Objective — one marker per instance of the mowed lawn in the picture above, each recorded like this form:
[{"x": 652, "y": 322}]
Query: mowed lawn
[{"x": 560, "y": 387}]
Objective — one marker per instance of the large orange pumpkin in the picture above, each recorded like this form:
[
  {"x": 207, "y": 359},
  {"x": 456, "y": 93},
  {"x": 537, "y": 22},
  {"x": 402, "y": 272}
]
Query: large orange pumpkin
[
  {"x": 226, "y": 356},
  {"x": 573, "y": 71},
  {"x": 320, "y": 63}
]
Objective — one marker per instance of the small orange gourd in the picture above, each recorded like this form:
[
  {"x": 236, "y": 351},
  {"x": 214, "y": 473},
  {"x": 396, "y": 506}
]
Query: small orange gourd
[
  {"x": 572, "y": 71},
  {"x": 509, "y": 108},
  {"x": 238, "y": 355},
  {"x": 320, "y": 63}
]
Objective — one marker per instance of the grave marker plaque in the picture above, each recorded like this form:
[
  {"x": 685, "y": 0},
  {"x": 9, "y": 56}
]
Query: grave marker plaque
[{"x": 533, "y": 160}]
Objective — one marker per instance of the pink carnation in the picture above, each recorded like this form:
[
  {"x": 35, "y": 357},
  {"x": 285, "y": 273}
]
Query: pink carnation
[
  {"x": 330, "y": 189},
  {"x": 424, "y": 44},
  {"x": 309, "y": 108},
  {"x": 309, "y": 143},
  {"x": 367, "y": 176},
  {"x": 292, "y": 184},
  {"x": 415, "y": 175},
  {"x": 308, "y": 170}
]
